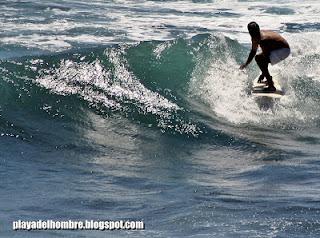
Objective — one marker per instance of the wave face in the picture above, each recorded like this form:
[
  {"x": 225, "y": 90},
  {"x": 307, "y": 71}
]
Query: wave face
[
  {"x": 140, "y": 82},
  {"x": 164, "y": 84}
]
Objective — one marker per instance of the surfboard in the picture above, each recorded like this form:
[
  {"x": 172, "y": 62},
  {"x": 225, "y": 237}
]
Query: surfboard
[{"x": 259, "y": 89}]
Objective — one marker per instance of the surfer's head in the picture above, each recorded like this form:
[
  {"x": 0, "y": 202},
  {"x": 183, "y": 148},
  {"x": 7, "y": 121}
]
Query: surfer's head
[{"x": 254, "y": 29}]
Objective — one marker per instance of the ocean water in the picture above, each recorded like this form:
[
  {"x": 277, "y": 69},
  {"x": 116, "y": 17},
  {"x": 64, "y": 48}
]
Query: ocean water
[{"x": 137, "y": 110}]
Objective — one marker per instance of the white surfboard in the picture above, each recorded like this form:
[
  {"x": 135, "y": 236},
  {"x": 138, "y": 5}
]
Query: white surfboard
[{"x": 259, "y": 89}]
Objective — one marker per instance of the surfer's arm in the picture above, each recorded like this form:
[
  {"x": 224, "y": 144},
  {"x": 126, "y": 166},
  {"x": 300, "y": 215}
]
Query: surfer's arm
[{"x": 253, "y": 52}]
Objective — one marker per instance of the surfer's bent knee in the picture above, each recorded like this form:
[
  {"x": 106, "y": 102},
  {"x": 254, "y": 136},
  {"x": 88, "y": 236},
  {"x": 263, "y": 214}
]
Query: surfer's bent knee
[{"x": 260, "y": 58}]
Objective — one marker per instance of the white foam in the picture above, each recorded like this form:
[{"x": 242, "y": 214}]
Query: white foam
[
  {"x": 226, "y": 89},
  {"x": 96, "y": 85},
  {"x": 222, "y": 86}
]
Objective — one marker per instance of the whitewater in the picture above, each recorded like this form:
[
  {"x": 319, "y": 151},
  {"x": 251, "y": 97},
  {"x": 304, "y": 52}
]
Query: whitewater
[{"x": 137, "y": 110}]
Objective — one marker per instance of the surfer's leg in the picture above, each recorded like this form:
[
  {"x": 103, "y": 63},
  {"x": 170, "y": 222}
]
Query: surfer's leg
[
  {"x": 263, "y": 65},
  {"x": 263, "y": 62}
]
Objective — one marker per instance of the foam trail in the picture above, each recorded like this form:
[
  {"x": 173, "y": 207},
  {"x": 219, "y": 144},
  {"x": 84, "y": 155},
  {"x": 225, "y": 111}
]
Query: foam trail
[{"x": 222, "y": 86}]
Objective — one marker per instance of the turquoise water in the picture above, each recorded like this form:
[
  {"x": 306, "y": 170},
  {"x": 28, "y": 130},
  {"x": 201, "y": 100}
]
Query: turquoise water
[{"x": 137, "y": 110}]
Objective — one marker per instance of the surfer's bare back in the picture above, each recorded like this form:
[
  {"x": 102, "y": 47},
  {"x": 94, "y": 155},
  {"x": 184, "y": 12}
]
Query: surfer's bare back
[{"x": 274, "y": 49}]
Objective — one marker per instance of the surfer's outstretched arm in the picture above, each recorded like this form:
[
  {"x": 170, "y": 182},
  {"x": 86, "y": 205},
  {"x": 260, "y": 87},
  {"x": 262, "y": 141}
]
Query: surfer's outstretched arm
[{"x": 251, "y": 55}]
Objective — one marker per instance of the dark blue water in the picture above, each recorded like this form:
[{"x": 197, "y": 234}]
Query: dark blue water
[{"x": 137, "y": 111}]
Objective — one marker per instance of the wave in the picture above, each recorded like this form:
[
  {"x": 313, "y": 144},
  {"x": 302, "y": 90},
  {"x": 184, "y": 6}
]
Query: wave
[{"x": 168, "y": 85}]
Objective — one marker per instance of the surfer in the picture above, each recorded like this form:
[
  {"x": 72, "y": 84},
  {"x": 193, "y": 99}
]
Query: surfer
[{"x": 274, "y": 49}]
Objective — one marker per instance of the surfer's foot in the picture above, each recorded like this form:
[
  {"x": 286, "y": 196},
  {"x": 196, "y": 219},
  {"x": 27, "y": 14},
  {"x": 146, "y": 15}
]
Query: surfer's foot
[
  {"x": 261, "y": 77},
  {"x": 270, "y": 88}
]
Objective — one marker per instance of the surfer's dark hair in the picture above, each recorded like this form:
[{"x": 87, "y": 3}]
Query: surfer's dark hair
[{"x": 254, "y": 29}]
